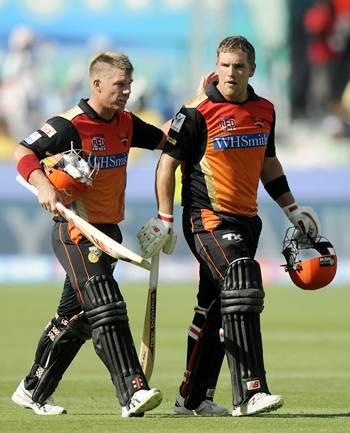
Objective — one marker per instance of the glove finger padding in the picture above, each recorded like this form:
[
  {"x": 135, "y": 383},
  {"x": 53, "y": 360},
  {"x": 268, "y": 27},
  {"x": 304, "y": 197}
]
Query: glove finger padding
[
  {"x": 169, "y": 246},
  {"x": 152, "y": 237},
  {"x": 311, "y": 218},
  {"x": 304, "y": 219}
]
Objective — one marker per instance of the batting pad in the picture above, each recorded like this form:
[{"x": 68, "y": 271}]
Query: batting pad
[
  {"x": 241, "y": 305},
  {"x": 113, "y": 342}
]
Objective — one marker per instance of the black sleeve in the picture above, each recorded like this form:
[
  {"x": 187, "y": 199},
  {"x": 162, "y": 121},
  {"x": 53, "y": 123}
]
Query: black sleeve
[
  {"x": 55, "y": 136},
  {"x": 145, "y": 135},
  {"x": 183, "y": 134},
  {"x": 270, "y": 148}
]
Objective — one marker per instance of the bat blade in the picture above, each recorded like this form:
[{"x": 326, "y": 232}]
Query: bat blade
[
  {"x": 101, "y": 240},
  {"x": 98, "y": 238},
  {"x": 148, "y": 342}
]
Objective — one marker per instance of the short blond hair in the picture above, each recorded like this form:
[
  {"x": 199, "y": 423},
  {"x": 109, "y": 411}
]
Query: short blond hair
[
  {"x": 232, "y": 43},
  {"x": 102, "y": 62}
]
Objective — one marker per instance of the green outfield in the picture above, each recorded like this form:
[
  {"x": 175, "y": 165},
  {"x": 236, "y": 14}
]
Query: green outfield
[{"x": 307, "y": 354}]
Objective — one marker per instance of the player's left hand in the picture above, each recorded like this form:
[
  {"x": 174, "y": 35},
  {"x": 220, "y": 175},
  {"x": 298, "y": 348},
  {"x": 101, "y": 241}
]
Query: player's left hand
[
  {"x": 304, "y": 219},
  {"x": 157, "y": 234}
]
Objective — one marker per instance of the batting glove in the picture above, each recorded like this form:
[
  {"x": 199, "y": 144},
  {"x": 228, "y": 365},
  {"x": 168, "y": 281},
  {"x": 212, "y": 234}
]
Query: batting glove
[
  {"x": 304, "y": 219},
  {"x": 157, "y": 234}
]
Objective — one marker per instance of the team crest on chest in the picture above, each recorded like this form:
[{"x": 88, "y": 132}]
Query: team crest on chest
[
  {"x": 124, "y": 140},
  {"x": 98, "y": 143},
  {"x": 227, "y": 124},
  {"x": 258, "y": 122}
]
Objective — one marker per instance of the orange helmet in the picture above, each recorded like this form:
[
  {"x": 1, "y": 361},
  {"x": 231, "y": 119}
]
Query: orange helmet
[
  {"x": 69, "y": 174},
  {"x": 311, "y": 263}
]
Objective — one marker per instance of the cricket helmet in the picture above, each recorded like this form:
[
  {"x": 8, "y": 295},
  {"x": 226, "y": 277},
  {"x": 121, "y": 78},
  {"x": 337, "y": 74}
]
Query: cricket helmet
[
  {"x": 69, "y": 173},
  {"x": 311, "y": 263}
]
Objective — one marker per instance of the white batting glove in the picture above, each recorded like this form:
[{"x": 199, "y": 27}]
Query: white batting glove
[
  {"x": 304, "y": 219},
  {"x": 157, "y": 234}
]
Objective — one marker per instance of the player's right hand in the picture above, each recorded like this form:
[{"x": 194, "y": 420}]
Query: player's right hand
[
  {"x": 157, "y": 234},
  {"x": 48, "y": 196},
  {"x": 304, "y": 219}
]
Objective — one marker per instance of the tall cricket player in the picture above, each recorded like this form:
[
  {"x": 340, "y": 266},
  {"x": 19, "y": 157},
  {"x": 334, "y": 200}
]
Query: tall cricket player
[{"x": 224, "y": 140}]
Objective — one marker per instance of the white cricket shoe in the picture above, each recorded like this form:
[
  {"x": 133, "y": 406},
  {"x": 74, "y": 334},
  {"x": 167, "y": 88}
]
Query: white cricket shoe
[
  {"x": 258, "y": 403},
  {"x": 206, "y": 408},
  {"x": 142, "y": 401},
  {"x": 23, "y": 398}
]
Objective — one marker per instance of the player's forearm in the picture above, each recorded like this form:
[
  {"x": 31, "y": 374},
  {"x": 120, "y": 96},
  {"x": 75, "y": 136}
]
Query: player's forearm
[
  {"x": 165, "y": 185},
  {"x": 275, "y": 182}
]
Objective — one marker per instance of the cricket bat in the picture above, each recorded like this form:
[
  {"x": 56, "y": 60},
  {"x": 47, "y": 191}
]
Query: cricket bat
[
  {"x": 148, "y": 342},
  {"x": 98, "y": 238}
]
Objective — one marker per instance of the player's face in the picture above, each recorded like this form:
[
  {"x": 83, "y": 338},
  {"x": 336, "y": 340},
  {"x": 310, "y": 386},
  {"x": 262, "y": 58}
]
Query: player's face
[
  {"x": 234, "y": 71},
  {"x": 115, "y": 89}
]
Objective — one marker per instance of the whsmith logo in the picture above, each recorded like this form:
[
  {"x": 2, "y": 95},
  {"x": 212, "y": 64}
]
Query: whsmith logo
[
  {"x": 240, "y": 141},
  {"x": 108, "y": 161}
]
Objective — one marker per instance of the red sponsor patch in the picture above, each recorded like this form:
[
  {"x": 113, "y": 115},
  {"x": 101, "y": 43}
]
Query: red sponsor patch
[
  {"x": 137, "y": 382},
  {"x": 253, "y": 384}
]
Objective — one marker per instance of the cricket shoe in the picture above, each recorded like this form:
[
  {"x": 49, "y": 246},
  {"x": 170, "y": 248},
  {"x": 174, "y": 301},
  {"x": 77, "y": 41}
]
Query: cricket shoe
[
  {"x": 206, "y": 408},
  {"x": 141, "y": 402},
  {"x": 23, "y": 398},
  {"x": 258, "y": 403}
]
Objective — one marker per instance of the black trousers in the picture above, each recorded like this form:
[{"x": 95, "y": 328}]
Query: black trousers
[
  {"x": 77, "y": 256},
  {"x": 216, "y": 240}
]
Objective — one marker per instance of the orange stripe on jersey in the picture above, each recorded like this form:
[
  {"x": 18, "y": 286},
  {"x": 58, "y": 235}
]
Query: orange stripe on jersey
[
  {"x": 210, "y": 221},
  {"x": 74, "y": 233}
]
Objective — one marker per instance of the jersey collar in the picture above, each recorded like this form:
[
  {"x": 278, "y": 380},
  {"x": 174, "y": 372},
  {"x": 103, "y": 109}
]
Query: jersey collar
[
  {"x": 215, "y": 96},
  {"x": 84, "y": 105}
]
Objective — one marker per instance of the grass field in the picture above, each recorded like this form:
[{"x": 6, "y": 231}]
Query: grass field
[{"x": 307, "y": 353}]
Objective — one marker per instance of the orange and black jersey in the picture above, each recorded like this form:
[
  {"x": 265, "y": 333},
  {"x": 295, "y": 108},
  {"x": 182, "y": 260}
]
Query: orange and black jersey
[
  {"x": 222, "y": 146},
  {"x": 104, "y": 144}
]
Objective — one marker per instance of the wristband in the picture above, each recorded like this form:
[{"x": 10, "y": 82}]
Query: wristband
[
  {"x": 276, "y": 187},
  {"x": 165, "y": 217},
  {"x": 27, "y": 164},
  {"x": 290, "y": 208}
]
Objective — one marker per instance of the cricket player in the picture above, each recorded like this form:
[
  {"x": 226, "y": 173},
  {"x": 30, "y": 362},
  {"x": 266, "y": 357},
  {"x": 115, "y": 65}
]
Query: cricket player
[
  {"x": 80, "y": 158},
  {"x": 224, "y": 140}
]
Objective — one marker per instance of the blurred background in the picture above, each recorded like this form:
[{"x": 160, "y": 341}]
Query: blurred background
[{"x": 303, "y": 67}]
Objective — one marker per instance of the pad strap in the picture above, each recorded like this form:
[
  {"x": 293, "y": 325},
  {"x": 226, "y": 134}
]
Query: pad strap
[{"x": 65, "y": 345}]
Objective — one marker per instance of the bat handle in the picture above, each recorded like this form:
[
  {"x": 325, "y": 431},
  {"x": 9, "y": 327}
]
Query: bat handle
[{"x": 154, "y": 271}]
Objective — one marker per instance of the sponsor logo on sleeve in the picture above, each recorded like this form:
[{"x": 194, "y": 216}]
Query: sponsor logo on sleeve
[
  {"x": 171, "y": 140},
  {"x": 49, "y": 130},
  {"x": 177, "y": 122},
  {"x": 32, "y": 138}
]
